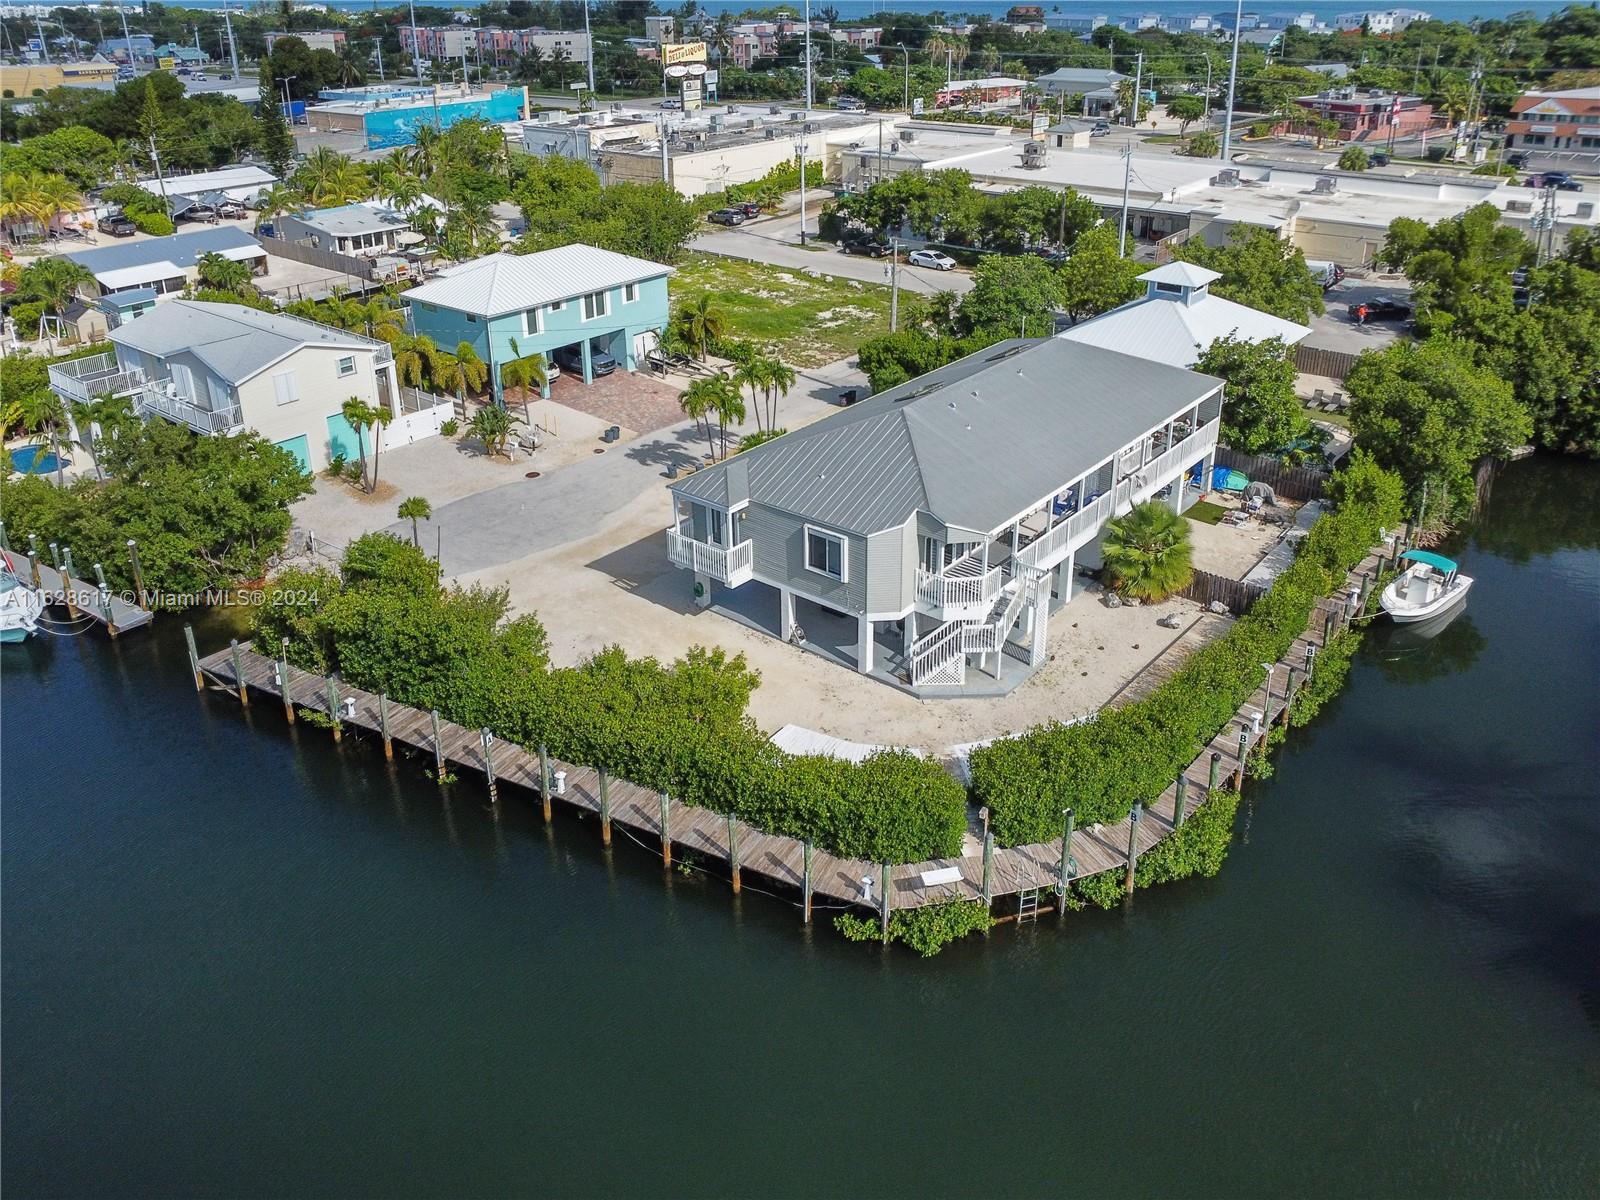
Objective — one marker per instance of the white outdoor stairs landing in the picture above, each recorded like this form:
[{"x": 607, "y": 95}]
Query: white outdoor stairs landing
[{"x": 939, "y": 657}]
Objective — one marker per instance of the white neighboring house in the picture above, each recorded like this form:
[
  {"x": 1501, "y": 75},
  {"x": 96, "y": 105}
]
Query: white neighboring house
[
  {"x": 225, "y": 368},
  {"x": 1179, "y": 318}
]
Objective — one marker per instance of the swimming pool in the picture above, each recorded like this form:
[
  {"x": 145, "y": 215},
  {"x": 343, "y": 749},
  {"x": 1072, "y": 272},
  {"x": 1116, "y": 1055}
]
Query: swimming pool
[{"x": 35, "y": 459}]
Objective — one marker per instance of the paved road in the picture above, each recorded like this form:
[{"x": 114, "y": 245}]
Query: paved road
[{"x": 776, "y": 241}]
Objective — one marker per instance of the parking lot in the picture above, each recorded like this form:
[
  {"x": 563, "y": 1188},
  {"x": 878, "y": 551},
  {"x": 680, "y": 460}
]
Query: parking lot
[{"x": 1337, "y": 330}]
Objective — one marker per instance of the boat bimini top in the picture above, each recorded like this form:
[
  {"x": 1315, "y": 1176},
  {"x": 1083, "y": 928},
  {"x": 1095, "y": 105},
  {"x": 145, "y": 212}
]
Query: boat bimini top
[{"x": 1437, "y": 561}]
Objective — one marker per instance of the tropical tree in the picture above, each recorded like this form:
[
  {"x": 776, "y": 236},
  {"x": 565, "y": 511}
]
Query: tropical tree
[
  {"x": 1146, "y": 552},
  {"x": 701, "y": 322},
  {"x": 1185, "y": 110},
  {"x": 414, "y": 358},
  {"x": 1260, "y": 412},
  {"x": 492, "y": 425},
  {"x": 780, "y": 377},
  {"x": 749, "y": 371},
  {"x": 36, "y": 198},
  {"x": 275, "y": 201},
  {"x": 1354, "y": 158},
  {"x": 728, "y": 404},
  {"x": 414, "y": 509},
  {"x": 360, "y": 415},
  {"x": 106, "y": 412},
  {"x": 53, "y": 282},
  {"x": 699, "y": 400},
  {"x": 474, "y": 371},
  {"x": 381, "y": 416},
  {"x": 42, "y": 415},
  {"x": 215, "y": 271},
  {"x": 522, "y": 372}
]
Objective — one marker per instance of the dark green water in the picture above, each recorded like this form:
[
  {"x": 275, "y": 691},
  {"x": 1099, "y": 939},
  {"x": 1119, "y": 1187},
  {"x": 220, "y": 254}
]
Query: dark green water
[{"x": 238, "y": 961}]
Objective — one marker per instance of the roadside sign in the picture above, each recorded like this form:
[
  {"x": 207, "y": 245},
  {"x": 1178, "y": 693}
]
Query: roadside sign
[
  {"x": 1041, "y": 122},
  {"x": 917, "y": 106},
  {"x": 673, "y": 53}
]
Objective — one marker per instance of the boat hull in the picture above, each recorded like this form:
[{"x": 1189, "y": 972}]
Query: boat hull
[{"x": 1420, "y": 596}]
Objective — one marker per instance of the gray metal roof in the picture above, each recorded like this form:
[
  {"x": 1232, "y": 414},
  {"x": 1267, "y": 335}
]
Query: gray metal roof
[
  {"x": 1085, "y": 77},
  {"x": 180, "y": 249},
  {"x": 234, "y": 341},
  {"x": 972, "y": 444},
  {"x": 350, "y": 219}
]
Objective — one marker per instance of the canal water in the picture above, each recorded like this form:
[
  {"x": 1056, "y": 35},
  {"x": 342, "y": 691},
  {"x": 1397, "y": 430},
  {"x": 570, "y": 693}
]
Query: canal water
[{"x": 238, "y": 960}]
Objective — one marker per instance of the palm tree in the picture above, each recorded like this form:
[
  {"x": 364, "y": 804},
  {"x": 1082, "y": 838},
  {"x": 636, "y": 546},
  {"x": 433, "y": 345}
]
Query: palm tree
[
  {"x": 701, "y": 321},
  {"x": 414, "y": 357},
  {"x": 275, "y": 201},
  {"x": 426, "y": 152},
  {"x": 359, "y": 414},
  {"x": 779, "y": 377},
  {"x": 106, "y": 411},
  {"x": 699, "y": 400},
  {"x": 1146, "y": 553},
  {"x": 397, "y": 186},
  {"x": 381, "y": 417},
  {"x": 54, "y": 282},
  {"x": 750, "y": 371},
  {"x": 218, "y": 272},
  {"x": 474, "y": 371},
  {"x": 42, "y": 415},
  {"x": 492, "y": 426},
  {"x": 414, "y": 509},
  {"x": 523, "y": 372}
]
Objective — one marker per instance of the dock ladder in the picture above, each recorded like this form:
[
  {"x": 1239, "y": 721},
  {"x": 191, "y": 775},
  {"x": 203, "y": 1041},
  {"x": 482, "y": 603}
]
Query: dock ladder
[{"x": 1028, "y": 905}]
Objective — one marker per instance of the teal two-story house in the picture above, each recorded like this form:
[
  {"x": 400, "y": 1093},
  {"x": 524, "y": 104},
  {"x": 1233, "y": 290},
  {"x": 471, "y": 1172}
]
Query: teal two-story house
[{"x": 572, "y": 304}]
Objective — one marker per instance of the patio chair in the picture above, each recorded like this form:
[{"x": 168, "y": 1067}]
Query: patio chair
[
  {"x": 1316, "y": 400},
  {"x": 1338, "y": 403}
]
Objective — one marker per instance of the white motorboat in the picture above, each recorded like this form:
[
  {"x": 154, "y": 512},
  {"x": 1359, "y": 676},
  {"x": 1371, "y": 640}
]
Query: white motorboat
[
  {"x": 1432, "y": 584},
  {"x": 20, "y": 607}
]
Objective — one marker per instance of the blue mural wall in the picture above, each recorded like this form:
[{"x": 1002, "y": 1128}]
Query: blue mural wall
[{"x": 397, "y": 126}]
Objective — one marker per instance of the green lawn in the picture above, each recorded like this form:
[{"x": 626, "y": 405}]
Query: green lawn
[
  {"x": 805, "y": 319},
  {"x": 1205, "y": 512}
]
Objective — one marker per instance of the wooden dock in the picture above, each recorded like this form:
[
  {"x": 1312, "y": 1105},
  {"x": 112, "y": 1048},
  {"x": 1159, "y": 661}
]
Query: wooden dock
[
  {"x": 79, "y": 596},
  {"x": 778, "y": 860}
]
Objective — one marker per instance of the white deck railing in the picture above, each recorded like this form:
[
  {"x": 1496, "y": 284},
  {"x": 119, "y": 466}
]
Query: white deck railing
[
  {"x": 940, "y": 656},
  {"x": 732, "y": 565},
  {"x": 153, "y": 399},
  {"x": 96, "y": 375},
  {"x": 1177, "y": 458},
  {"x": 964, "y": 588}
]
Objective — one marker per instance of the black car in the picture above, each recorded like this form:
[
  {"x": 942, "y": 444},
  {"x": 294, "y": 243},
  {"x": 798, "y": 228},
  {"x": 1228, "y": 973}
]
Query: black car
[
  {"x": 727, "y": 216},
  {"x": 1379, "y": 310},
  {"x": 1380, "y": 159},
  {"x": 1051, "y": 255},
  {"x": 1559, "y": 180},
  {"x": 1517, "y": 158},
  {"x": 117, "y": 225},
  {"x": 750, "y": 210},
  {"x": 570, "y": 358},
  {"x": 871, "y": 247}
]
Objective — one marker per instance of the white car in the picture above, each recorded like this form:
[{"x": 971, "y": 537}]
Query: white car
[{"x": 931, "y": 258}]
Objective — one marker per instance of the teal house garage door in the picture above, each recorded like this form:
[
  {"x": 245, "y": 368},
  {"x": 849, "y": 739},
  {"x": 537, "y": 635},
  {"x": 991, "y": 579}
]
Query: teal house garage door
[
  {"x": 301, "y": 449},
  {"x": 342, "y": 439}
]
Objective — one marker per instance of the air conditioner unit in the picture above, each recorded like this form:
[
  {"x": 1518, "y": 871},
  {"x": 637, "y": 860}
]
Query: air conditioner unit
[
  {"x": 1519, "y": 206},
  {"x": 772, "y": 135},
  {"x": 1585, "y": 210},
  {"x": 908, "y": 136},
  {"x": 1227, "y": 177},
  {"x": 1325, "y": 187}
]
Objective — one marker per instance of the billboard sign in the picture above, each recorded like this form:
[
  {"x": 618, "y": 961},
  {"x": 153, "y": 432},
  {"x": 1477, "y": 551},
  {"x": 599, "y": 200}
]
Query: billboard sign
[
  {"x": 711, "y": 85},
  {"x": 673, "y": 53},
  {"x": 691, "y": 93}
]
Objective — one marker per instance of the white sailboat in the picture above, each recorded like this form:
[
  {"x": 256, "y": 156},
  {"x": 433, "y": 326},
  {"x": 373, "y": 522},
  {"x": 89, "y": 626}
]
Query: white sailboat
[{"x": 1429, "y": 586}]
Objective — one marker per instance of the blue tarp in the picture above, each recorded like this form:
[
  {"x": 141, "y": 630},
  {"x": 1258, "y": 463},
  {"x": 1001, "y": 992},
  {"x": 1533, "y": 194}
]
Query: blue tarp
[{"x": 1226, "y": 479}]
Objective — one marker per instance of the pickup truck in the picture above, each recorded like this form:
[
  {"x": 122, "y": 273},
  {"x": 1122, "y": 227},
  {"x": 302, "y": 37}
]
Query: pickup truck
[{"x": 117, "y": 225}]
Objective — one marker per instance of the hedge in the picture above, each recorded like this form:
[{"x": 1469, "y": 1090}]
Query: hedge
[
  {"x": 387, "y": 626},
  {"x": 1103, "y": 767}
]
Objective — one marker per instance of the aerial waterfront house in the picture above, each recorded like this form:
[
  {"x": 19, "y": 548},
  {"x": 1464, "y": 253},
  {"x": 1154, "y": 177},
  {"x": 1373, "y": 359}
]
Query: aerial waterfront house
[
  {"x": 363, "y": 230},
  {"x": 225, "y": 368},
  {"x": 166, "y": 264},
  {"x": 1179, "y": 318},
  {"x": 594, "y": 300},
  {"x": 934, "y": 528}
]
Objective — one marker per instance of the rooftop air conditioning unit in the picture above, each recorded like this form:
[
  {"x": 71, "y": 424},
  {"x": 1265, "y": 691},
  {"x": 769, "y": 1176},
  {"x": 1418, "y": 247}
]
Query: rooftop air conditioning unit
[
  {"x": 1033, "y": 155},
  {"x": 774, "y": 110},
  {"x": 908, "y": 136},
  {"x": 716, "y": 124},
  {"x": 772, "y": 135},
  {"x": 894, "y": 146},
  {"x": 1325, "y": 187},
  {"x": 1227, "y": 177},
  {"x": 795, "y": 116},
  {"x": 1519, "y": 206}
]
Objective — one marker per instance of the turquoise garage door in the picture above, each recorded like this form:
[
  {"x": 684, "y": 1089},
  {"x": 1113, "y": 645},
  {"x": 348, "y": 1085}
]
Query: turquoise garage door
[
  {"x": 301, "y": 449},
  {"x": 342, "y": 439}
]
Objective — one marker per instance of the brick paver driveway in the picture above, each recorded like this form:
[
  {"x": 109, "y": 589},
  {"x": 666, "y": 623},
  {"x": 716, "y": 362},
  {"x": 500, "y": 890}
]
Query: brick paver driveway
[{"x": 638, "y": 402}]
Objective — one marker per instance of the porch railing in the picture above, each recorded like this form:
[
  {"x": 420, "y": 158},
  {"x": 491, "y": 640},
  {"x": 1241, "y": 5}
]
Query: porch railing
[
  {"x": 732, "y": 565},
  {"x": 940, "y": 657},
  {"x": 1180, "y": 455},
  {"x": 964, "y": 586},
  {"x": 153, "y": 399},
  {"x": 96, "y": 375}
]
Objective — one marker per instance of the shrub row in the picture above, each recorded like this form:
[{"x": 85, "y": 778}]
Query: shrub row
[
  {"x": 1199, "y": 848},
  {"x": 926, "y": 930},
  {"x": 387, "y": 626},
  {"x": 1103, "y": 767}
]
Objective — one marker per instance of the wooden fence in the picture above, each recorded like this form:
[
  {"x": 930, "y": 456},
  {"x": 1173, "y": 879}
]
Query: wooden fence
[
  {"x": 1314, "y": 360},
  {"x": 311, "y": 256},
  {"x": 1206, "y": 588},
  {"x": 1297, "y": 483}
]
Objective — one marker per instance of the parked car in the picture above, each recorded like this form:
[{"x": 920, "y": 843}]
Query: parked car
[
  {"x": 1379, "y": 310},
  {"x": 1327, "y": 274},
  {"x": 1380, "y": 159},
  {"x": 671, "y": 103},
  {"x": 726, "y": 216},
  {"x": 199, "y": 77},
  {"x": 1100, "y": 129},
  {"x": 1559, "y": 180},
  {"x": 868, "y": 245},
  {"x": 932, "y": 259},
  {"x": 748, "y": 209},
  {"x": 849, "y": 104},
  {"x": 570, "y": 358},
  {"x": 1050, "y": 255},
  {"x": 1517, "y": 158},
  {"x": 117, "y": 225}
]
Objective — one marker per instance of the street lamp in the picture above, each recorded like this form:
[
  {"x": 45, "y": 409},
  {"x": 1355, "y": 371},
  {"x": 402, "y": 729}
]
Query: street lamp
[
  {"x": 801, "y": 146},
  {"x": 1233, "y": 77},
  {"x": 907, "y": 53}
]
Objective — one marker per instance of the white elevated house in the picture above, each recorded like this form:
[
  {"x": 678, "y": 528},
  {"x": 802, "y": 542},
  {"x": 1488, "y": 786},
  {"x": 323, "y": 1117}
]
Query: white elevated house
[
  {"x": 1179, "y": 318},
  {"x": 932, "y": 530},
  {"x": 224, "y": 368}
]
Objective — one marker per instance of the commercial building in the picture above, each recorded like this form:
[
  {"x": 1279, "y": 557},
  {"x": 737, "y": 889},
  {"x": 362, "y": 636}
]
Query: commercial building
[
  {"x": 315, "y": 39},
  {"x": 512, "y": 306},
  {"x": 390, "y": 116},
  {"x": 1097, "y": 86},
  {"x": 1556, "y": 120},
  {"x": 31, "y": 77},
  {"x": 224, "y": 368},
  {"x": 1366, "y": 114},
  {"x": 1179, "y": 318},
  {"x": 926, "y": 535},
  {"x": 499, "y": 46},
  {"x": 583, "y": 136},
  {"x": 992, "y": 91},
  {"x": 166, "y": 264}
]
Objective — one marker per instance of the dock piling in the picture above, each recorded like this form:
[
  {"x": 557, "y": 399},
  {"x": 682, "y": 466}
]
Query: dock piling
[
  {"x": 333, "y": 706},
  {"x": 33, "y": 558},
  {"x": 383, "y": 724},
  {"x": 284, "y": 690},
  {"x": 805, "y": 883},
  {"x": 194, "y": 659},
  {"x": 105, "y": 600},
  {"x": 988, "y": 868},
  {"x": 55, "y": 556},
  {"x": 1216, "y": 770},
  {"x": 666, "y": 830},
  {"x": 1244, "y": 753},
  {"x": 238, "y": 673},
  {"x": 438, "y": 749},
  {"x": 486, "y": 739},
  {"x": 733, "y": 852},
  {"x": 1064, "y": 874},
  {"x": 1133, "y": 847},
  {"x": 544, "y": 781},
  {"x": 66, "y": 581},
  {"x": 883, "y": 902},
  {"x": 1182, "y": 790},
  {"x": 1288, "y": 695},
  {"x": 605, "y": 808}
]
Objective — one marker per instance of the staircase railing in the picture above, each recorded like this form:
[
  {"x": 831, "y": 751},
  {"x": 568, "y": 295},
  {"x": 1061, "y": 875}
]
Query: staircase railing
[{"x": 936, "y": 651}]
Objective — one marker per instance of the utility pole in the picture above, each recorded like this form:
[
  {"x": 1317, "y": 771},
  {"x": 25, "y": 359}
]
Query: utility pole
[
  {"x": 127, "y": 38},
  {"x": 894, "y": 284},
  {"x": 1138, "y": 78},
  {"x": 166, "y": 205},
  {"x": 1127, "y": 178},
  {"x": 44, "y": 44},
  {"x": 808, "y": 66},
  {"x": 233, "y": 48},
  {"x": 802, "y": 146},
  {"x": 588, "y": 39},
  {"x": 416, "y": 45},
  {"x": 1233, "y": 78}
]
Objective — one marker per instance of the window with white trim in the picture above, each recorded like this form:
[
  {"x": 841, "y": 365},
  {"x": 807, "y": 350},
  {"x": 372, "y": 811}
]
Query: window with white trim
[
  {"x": 825, "y": 553},
  {"x": 530, "y": 320},
  {"x": 283, "y": 384},
  {"x": 557, "y": 305},
  {"x": 347, "y": 365},
  {"x": 594, "y": 305},
  {"x": 630, "y": 292}
]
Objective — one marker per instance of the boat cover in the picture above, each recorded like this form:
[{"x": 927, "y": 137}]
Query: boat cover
[{"x": 1432, "y": 560}]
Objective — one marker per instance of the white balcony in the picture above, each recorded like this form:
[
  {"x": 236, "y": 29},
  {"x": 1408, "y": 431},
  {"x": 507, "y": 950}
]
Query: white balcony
[
  {"x": 83, "y": 379},
  {"x": 963, "y": 591},
  {"x": 157, "y": 400},
  {"x": 731, "y": 565}
]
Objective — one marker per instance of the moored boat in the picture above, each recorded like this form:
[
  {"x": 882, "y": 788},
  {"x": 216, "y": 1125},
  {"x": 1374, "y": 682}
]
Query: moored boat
[
  {"x": 20, "y": 607},
  {"x": 1430, "y": 585}
]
